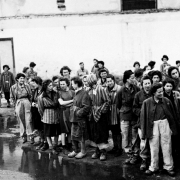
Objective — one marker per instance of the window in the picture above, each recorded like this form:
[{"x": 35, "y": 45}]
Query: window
[{"x": 138, "y": 4}]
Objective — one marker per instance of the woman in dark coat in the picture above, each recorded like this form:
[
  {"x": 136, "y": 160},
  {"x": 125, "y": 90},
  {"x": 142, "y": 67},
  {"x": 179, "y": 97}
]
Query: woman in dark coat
[{"x": 36, "y": 117}]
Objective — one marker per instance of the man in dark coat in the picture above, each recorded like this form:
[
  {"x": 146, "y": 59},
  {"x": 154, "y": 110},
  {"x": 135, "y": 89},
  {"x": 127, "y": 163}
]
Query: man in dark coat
[
  {"x": 7, "y": 80},
  {"x": 157, "y": 121}
]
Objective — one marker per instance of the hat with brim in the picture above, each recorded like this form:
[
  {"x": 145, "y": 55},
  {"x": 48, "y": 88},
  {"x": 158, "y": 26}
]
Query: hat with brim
[{"x": 6, "y": 66}]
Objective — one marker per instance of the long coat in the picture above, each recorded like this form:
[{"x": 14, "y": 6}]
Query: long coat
[
  {"x": 11, "y": 80},
  {"x": 113, "y": 114},
  {"x": 147, "y": 114}
]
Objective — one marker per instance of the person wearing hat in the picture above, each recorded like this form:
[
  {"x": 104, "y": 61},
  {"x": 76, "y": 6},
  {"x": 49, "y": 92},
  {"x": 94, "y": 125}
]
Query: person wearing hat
[
  {"x": 125, "y": 98},
  {"x": 164, "y": 64},
  {"x": 30, "y": 72},
  {"x": 98, "y": 119},
  {"x": 21, "y": 96},
  {"x": 7, "y": 80}
]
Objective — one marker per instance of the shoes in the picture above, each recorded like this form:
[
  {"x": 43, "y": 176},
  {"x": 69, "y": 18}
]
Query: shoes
[
  {"x": 72, "y": 154},
  {"x": 143, "y": 166},
  {"x": 149, "y": 172},
  {"x": 103, "y": 156},
  {"x": 118, "y": 153},
  {"x": 40, "y": 146},
  {"x": 171, "y": 173},
  {"x": 80, "y": 155},
  {"x": 134, "y": 160},
  {"x": 45, "y": 147},
  {"x": 8, "y": 105},
  {"x": 24, "y": 139}
]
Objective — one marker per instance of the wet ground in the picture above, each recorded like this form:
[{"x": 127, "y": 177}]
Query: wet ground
[{"x": 25, "y": 163}]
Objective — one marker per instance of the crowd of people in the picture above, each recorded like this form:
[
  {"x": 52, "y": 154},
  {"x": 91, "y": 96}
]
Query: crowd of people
[{"x": 141, "y": 109}]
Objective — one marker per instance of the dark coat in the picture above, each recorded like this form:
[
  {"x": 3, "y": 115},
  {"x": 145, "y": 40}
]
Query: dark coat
[
  {"x": 11, "y": 80},
  {"x": 147, "y": 115},
  {"x": 137, "y": 104},
  {"x": 124, "y": 102},
  {"x": 82, "y": 106}
]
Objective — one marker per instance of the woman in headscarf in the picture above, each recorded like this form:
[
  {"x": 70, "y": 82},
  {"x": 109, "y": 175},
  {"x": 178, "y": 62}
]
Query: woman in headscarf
[{"x": 99, "y": 131}]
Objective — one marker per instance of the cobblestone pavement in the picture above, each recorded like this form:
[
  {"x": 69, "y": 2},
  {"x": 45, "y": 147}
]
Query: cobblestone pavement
[{"x": 24, "y": 162}]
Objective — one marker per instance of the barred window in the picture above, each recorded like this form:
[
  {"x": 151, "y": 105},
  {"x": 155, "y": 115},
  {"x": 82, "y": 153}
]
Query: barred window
[{"x": 138, "y": 4}]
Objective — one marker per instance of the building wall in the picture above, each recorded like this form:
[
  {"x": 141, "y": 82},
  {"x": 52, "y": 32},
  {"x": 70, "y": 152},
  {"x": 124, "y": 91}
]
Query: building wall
[
  {"x": 27, "y": 7},
  {"x": 118, "y": 40}
]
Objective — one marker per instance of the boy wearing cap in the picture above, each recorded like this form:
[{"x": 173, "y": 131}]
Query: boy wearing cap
[{"x": 7, "y": 80}]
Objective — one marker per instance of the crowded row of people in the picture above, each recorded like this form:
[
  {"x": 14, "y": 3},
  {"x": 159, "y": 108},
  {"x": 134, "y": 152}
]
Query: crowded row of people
[{"x": 141, "y": 110}]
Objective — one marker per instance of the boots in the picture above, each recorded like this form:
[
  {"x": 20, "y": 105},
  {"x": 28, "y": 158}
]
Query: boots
[{"x": 96, "y": 154}]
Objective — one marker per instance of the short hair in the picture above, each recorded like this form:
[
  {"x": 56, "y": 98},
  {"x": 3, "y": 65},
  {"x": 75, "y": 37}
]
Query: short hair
[
  {"x": 152, "y": 64},
  {"x": 158, "y": 73},
  {"x": 155, "y": 87},
  {"x": 45, "y": 84},
  {"x": 64, "y": 68},
  {"x": 177, "y": 62},
  {"x": 171, "y": 69},
  {"x": 111, "y": 76},
  {"x": 37, "y": 80},
  {"x": 101, "y": 62},
  {"x": 170, "y": 81},
  {"x": 127, "y": 75},
  {"x": 25, "y": 69},
  {"x": 55, "y": 77},
  {"x": 77, "y": 80},
  {"x": 146, "y": 77},
  {"x": 32, "y": 64},
  {"x": 136, "y": 63},
  {"x": 145, "y": 67},
  {"x": 65, "y": 79},
  {"x": 165, "y": 56},
  {"x": 138, "y": 73},
  {"x": 81, "y": 63},
  {"x": 95, "y": 60},
  {"x": 20, "y": 75},
  {"x": 102, "y": 70}
]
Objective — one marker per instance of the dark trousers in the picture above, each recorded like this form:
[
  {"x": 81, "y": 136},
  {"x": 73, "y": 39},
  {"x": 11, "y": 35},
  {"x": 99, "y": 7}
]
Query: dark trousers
[
  {"x": 116, "y": 135},
  {"x": 7, "y": 96}
]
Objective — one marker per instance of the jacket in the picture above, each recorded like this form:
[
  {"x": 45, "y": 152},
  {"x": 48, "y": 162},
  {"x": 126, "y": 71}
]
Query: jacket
[
  {"x": 11, "y": 80},
  {"x": 148, "y": 112},
  {"x": 82, "y": 106},
  {"x": 125, "y": 98}
]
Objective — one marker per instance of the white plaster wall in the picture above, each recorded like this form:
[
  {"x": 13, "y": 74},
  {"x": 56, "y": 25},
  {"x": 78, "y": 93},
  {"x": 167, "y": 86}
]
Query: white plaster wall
[
  {"x": 117, "y": 41},
  {"x": 26, "y": 7},
  {"x": 168, "y": 4}
]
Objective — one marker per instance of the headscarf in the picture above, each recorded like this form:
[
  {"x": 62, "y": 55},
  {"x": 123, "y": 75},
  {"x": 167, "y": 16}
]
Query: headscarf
[{"x": 92, "y": 80}]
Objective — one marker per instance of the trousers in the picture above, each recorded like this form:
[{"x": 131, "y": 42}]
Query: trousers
[
  {"x": 144, "y": 147},
  {"x": 161, "y": 137},
  {"x": 24, "y": 117},
  {"x": 130, "y": 138}
]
